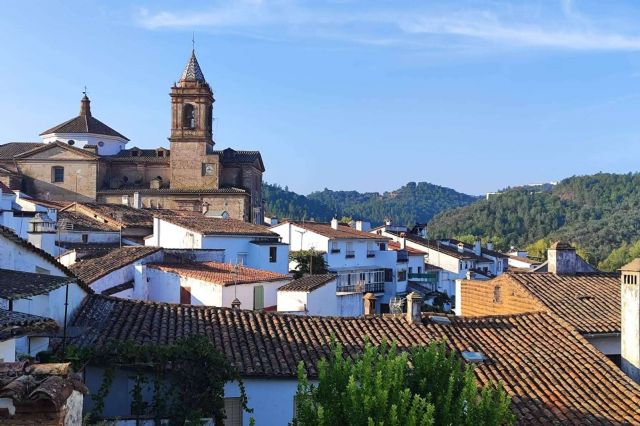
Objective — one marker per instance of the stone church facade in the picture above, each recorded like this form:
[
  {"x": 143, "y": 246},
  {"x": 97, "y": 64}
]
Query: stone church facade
[{"x": 83, "y": 159}]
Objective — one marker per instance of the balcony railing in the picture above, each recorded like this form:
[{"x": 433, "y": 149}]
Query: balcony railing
[
  {"x": 350, "y": 254},
  {"x": 431, "y": 277},
  {"x": 361, "y": 282},
  {"x": 361, "y": 288}
]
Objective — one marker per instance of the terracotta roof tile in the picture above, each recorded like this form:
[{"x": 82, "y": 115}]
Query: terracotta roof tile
[
  {"x": 590, "y": 302},
  {"x": 91, "y": 270},
  {"x": 118, "y": 213},
  {"x": 308, "y": 283},
  {"x": 11, "y": 149},
  {"x": 217, "y": 226},
  {"x": 27, "y": 383},
  {"x": 410, "y": 250},
  {"x": 75, "y": 221},
  {"x": 551, "y": 372},
  {"x": 220, "y": 273},
  {"x": 344, "y": 231},
  {"x": 16, "y": 324},
  {"x": 439, "y": 246},
  {"x": 20, "y": 285},
  {"x": 84, "y": 124}
]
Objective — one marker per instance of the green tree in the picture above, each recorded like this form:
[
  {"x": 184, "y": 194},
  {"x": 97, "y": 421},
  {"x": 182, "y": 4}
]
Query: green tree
[
  {"x": 620, "y": 257},
  {"x": 308, "y": 262},
  {"x": 387, "y": 387}
]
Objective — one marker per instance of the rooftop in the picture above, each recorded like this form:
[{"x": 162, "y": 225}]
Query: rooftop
[
  {"x": 552, "y": 374},
  {"x": 410, "y": 250},
  {"x": 17, "y": 324},
  {"x": 11, "y": 149},
  {"x": 308, "y": 283},
  {"x": 344, "y": 231},
  {"x": 439, "y": 246},
  {"x": 93, "y": 269},
  {"x": 218, "y": 226},
  {"x": 51, "y": 384},
  {"x": 117, "y": 213},
  {"x": 590, "y": 302},
  {"x": 220, "y": 273},
  {"x": 80, "y": 222},
  {"x": 20, "y": 285},
  {"x": 192, "y": 71}
]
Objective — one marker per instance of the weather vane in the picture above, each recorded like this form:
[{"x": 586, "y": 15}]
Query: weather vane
[{"x": 85, "y": 91}]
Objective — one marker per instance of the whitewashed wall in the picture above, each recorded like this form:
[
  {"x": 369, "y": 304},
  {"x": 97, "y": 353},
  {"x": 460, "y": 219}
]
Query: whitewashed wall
[
  {"x": 8, "y": 350},
  {"x": 18, "y": 258},
  {"x": 124, "y": 274}
]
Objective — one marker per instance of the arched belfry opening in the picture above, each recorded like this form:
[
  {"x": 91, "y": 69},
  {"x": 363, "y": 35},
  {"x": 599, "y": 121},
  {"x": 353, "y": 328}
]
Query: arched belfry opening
[{"x": 189, "y": 116}]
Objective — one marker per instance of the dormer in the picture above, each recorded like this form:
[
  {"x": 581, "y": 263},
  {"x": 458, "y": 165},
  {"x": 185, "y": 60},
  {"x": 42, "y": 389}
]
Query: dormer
[
  {"x": 135, "y": 152},
  {"x": 162, "y": 152}
]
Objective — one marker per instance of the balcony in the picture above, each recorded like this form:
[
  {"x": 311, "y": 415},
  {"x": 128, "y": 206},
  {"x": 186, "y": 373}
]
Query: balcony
[
  {"x": 361, "y": 282},
  {"x": 350, "y": 254},
  {"x": 425, "y": 277}
]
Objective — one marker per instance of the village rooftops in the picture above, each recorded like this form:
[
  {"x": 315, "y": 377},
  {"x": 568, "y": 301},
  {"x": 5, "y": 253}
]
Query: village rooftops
[
  {"x": 91, "y": 270},
  {"x": 218, "y": 226},
  {"x": 26, "y": 385},
  {"x": 19, "y": 285},
  {"x": 69, "y": 220},
  {"x": 9, "y": 150},
  {"x": 553, "y": 375},
  {"x": 483, "y": 250},
  {"x": 17, "y": 324},
  {"x": 590, "y": 302},
  {"x": 410, "y": 250},
  {"x": 220, "y": 273},
  {"x": 308, "y": 283},
  {"x": 440, "y": 247},
  {"x": 115, "y": 214},
  {"x": 343, "y": 231}
]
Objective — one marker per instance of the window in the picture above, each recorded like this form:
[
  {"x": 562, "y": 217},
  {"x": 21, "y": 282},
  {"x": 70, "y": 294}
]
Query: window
[
  {"x": 135, "y": 153},
  {"x": 189, "y": 116},
  {"x": 402, "y": 275},
  {"x": 273, "y": 254},
  {"x": 411, "y": 269},
  {"x": 383, "y": 246},
  {"x": 242, "y": 258},
  {"x": 71, "y": 142},
  {"x": 350, "y": 253},
  {"x": 419, "y": 269},
  {"x": 258, "y": 297},
  {"x": 100, "y": 144},
  {"x": 388, "y": 275},
  {"x": 185, "y": 295},
  {"x": 335, "y": 247},
  {"x": 233, "y": 411},
  {"x": 57, "y": 174},
  {"x": 85, "y": 238}
]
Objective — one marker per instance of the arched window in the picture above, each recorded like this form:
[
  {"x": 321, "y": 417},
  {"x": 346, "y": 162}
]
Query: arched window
[{"x": 189, "y": 116}]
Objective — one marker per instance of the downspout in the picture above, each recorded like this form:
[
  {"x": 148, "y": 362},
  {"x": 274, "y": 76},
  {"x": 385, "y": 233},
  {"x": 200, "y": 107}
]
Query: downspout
[{"x": 64, "y": 330}]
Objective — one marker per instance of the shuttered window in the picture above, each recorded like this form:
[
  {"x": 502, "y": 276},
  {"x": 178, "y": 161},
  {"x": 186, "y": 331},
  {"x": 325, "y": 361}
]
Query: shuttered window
[
  {"x": 258, "y": 297},
  {"x": 233, "y": 412}
]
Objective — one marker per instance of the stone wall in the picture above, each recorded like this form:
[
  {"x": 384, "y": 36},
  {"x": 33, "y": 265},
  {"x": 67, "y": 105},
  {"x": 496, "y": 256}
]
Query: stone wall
[{"x": 78, "y": 174}]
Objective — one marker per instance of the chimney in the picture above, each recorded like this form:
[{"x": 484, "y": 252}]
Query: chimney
[
  {"x": 42, "y": 233},
  {"x": 403, "y": 243},
  {"x": 630, "y": 320},
  {"x": 414, "y": 308},
  {"x": 369, "y": 304},
  {"x": 387, "y": 222},
  {"x": 137, "y": 201},
  {"x": 363, "y": 226},
  {"x": 477, "y": 247},
  {"x": 235, "y": 304},
  {"x": 561, "y": 259},
  {"x": 85, "y": 106},
  {"x": 490, "y": 245},
  {"x": 460, "y": 247},
  {"x": 334, "y": 223}
]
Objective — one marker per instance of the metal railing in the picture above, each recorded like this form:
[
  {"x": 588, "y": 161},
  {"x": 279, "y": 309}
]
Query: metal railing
[
  {"x": 424, "y": 276},
  {"x": 358, "y": 282},
  {"x": 361, "y": 288}
]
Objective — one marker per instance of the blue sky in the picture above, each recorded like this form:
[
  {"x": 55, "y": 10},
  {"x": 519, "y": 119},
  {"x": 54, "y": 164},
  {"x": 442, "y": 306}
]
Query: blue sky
[{"x": 473, "y": 95}]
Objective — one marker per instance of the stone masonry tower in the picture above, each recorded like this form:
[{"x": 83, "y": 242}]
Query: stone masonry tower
[
  {"x": 630, "y": 319},
  {"x": 193, "y": 164}
]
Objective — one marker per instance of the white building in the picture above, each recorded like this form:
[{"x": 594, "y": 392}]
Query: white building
[
  {"x": 21, "y": 333},
  {"x": 244, "y": 243},
  {"x": 214, "y": 284},
  {"x": 360, "y": 259}
]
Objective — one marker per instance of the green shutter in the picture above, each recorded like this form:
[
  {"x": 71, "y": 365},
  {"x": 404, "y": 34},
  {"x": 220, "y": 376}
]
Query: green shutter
[{"x": 258, "y": 297}]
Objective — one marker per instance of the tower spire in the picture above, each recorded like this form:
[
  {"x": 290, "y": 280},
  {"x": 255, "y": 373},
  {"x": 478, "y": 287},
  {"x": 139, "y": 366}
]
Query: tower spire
[
  {"x": 85, "y": 104},
  {"x": 192, "y": 71}
]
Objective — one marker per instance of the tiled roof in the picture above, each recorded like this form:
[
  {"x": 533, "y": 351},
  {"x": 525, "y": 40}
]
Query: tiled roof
[
  {"x": 344, "y": 232},
  {"x": 553, "y": 374},
  {"x": 308, "y": 283},
  {"x": 82, "y": 222},
  {"x": 144, "y": 155},
  {"x": 84, "y": 124},
  {"x": 192, "y": 71},
  {"x": 225, "y": 190},
  {"x": 484, "y": 250},
  {"x": 218, "y": 226},
  {"x": 7, "y": 172},
  {"x": 12, "y": 236},
  {"x": 20, "y": 285},
  {"x": 117, "y": 213},
  {"x": 11, "y": 149},
  {"x": 439, "y": 246},
  {"x": 410, "y": 250},
  {"x": 231, "y": 157},
  {"x": 30, "y": 384},
  {"x": 589, "y": 302},
  {"x": 91, "y": 270},
  {"x": 220, "y": 273},
  {"x": 65, "y": 146},
  {"x": 16, "y": 324}
]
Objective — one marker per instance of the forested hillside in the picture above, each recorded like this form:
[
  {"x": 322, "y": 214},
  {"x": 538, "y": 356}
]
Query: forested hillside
[
  {"x": 414, "y": 202},
  {"x": 598, "y": 213}
]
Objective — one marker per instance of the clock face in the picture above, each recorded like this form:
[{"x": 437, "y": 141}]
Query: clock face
[{"x": 210, "y": 169}]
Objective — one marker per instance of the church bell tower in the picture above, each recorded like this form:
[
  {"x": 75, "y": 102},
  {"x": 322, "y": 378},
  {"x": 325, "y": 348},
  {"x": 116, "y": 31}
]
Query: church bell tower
[{"x": 192, "y": 162}]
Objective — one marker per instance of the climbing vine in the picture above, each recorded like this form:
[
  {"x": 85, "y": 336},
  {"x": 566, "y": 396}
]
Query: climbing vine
[{"x": 186, "y": 379}]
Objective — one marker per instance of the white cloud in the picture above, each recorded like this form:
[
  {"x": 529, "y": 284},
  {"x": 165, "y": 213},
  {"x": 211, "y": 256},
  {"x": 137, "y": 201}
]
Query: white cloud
[{"x": 569, "y": 29}]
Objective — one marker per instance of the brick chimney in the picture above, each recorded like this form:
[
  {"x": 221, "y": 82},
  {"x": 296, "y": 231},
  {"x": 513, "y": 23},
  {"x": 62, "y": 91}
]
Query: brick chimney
[
  {"x": 369, "y": 304},
  {"x": 414, "y": 308},
  {"x": 630, "y": 319},
  {"x": 562, "y": 259}
]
